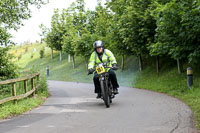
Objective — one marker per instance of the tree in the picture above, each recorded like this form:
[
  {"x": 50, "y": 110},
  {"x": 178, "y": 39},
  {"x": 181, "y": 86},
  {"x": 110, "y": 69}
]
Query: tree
[
  {"x": 119, "y": 45},
  {"x": 7, "y": 68},
  {"x": 75, "y": 22},
  {"x": 177, "y": 30},
  {"x": 12, "y": 15},
  {"x": 136, "y": 26},
  {"x": 102, "y": 23},
  {"x": 66, "y": 28},
  {"x": 44, "y": 31},
  {"x": 49, "y": 39},
  {"x": 70, "y": 36},
  {"x": 54, "y": 36},
  {"x": 84, "y": 45}
]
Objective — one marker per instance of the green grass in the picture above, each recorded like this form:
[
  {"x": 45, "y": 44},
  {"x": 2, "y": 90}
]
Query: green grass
[{"x": 9, "y": 109}]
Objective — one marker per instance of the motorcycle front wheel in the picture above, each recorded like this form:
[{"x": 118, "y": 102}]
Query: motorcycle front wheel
[{"x": 105, "y": 93}]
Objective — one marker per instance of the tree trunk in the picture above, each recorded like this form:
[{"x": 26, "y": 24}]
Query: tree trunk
[
  {"x": 157, "y": 64},
  {"x": 122, "y": 62},
  {"x": 68, "y": 58},
  {"x": 51, "y": 53},
  {"x": 140, "y": 63},
  {"x": 60, "y": 55},
  {"x": 179, "y": 65},
  {"x": 73, "y": 60}
]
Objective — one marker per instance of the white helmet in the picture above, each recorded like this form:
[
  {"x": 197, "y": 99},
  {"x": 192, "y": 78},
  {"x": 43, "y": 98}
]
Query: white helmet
[{"x": 98, "y": 44}]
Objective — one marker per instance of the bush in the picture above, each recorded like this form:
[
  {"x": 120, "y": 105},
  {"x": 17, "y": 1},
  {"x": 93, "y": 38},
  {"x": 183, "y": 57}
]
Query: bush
[
  {"x": 41, "y": 53},
  {"x": 19, "y": 57},
  {"x": 26, "y": 48},
  {"x": 43, "y": 89},
  {"x": 8, "y": 69},
  {"x": 32, "y": 55}
]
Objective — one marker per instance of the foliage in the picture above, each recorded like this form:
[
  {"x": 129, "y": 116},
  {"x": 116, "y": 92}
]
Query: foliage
[
  {"x": 32, "y": 55},
  {"x": 4, "y": 36},
  {"x": 135, "y": 27},
  {"x": 26, "y": 48},
  {"x": 43, "y": 89},
  {"x": 70, "y": 36},
  {"x": 177, "y": 32},
  {"x": 84, "y": 44},
  {"x": 117, "y": 28},
  {"x": 54, "y": 37},
  {"x": 87, "y": 36},
  {"x": 7, "y": 68},
  {"x": 41, "y": 53},
  {"x": 9, "y": 110},
  {"x": 150, "y": 28},
  {"x": 19, "y": 57},
  {"x": 12, "y": 14},
  {"x": 44, "y": 31}
]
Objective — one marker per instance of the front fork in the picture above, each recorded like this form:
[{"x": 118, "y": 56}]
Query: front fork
[{"x": 105, "y": 78}]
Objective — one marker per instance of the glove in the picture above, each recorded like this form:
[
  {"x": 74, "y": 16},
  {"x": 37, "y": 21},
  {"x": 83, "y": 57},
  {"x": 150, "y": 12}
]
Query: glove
[
  {"x": 90, "y": 71},
  {"x": 114, "y": 66}
]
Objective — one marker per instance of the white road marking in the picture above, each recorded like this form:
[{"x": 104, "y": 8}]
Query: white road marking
[
  {"x": 72, "y": 110},
  {"x": 50, "y": 126},
  {"x": 68, "y": 126},
  {"x": 25, "y": 126}
]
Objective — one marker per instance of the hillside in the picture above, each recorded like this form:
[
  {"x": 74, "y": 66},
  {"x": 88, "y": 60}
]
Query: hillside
[{"x": 62, "y": 70}]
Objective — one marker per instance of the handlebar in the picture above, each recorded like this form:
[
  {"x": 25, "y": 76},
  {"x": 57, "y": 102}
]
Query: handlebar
[
  {"x": 104, "y": 67},
  {"x": 111, "y": 67}
]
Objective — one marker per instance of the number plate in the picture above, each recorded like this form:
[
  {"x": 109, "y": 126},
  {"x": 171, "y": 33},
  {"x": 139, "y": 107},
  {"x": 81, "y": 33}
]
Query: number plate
[{"x": 100, "y": 69}]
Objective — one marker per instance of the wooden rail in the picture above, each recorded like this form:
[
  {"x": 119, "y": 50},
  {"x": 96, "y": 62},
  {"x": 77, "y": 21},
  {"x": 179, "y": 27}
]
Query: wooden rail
[{"x": 14, "y": 90}]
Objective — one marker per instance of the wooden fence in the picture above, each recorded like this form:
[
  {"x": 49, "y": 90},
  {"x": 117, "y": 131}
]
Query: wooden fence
[{"x": 27, "y": 93}]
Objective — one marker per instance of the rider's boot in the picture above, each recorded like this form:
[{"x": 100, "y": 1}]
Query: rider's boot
[
  {"x": 98, "y": 95},
  {"x": 115, "y": 91}
]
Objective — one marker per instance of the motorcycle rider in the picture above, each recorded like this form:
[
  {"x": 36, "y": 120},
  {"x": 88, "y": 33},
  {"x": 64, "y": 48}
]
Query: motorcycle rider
[{"x": 102, "y": 55}]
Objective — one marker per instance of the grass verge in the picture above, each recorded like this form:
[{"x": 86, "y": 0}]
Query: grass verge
[{"x": 9, "y": 110}]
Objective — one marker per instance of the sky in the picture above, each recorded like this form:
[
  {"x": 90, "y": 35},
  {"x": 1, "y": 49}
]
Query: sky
[{"x": 30, "y": 31}]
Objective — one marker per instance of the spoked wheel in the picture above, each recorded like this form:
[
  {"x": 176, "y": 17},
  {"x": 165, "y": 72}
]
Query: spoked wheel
[{"x": 105, "y": 94}]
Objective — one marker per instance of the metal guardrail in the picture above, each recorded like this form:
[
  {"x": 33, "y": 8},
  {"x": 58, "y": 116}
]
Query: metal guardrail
[{"x": 14, "y": 90}]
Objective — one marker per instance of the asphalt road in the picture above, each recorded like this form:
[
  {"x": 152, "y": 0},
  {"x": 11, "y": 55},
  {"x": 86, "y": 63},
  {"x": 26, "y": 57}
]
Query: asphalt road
[{"x": 73, "y": 108}]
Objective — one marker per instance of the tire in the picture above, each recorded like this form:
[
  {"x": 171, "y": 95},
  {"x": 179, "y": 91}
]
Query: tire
[{"x": 105, "y": 93}]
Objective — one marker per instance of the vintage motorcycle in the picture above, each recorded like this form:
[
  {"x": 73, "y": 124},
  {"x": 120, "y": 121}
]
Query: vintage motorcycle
[{"x": 106, "y": 86}]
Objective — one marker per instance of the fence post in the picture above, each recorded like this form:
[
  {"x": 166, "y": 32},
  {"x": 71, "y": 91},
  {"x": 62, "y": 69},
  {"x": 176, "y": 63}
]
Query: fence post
[
  {"x": 38, "y": 82},
  {"x": 14, "y": 92},
  {"x": 32, "y": 85},
  {"x": 25, "y": 86}
]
